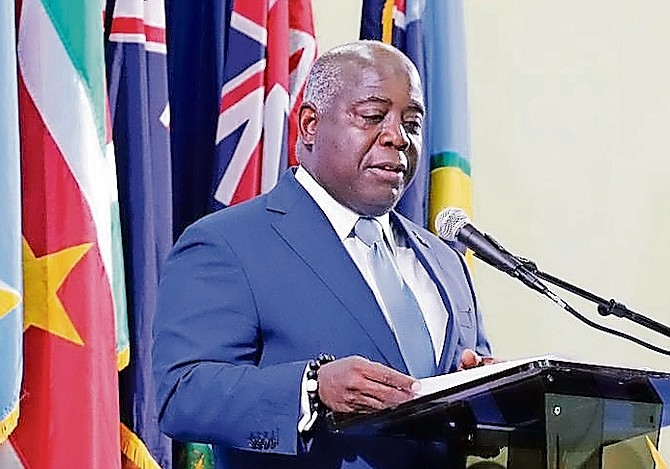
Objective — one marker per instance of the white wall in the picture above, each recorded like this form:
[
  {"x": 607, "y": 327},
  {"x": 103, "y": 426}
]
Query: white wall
[
  {"x": 570, "y": 114},
  {"x": 336, "y": 22},
  {"x": 570, "y": 106}
]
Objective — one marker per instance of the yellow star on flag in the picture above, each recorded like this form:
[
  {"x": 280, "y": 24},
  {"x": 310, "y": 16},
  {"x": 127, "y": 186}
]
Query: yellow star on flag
[
  {"x": 43, "y": 277},
  {"x": 9, "y": 299}
]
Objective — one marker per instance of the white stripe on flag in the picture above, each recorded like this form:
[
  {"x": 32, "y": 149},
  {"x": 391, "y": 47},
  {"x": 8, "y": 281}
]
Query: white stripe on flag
[
  {"x": 398, "y": 18},
  {"x": 154, "y": 13},
  {"x": 133, "y": 38},
  {"x": 248, "y": 110},
  {"x": 8, "y": 457},
  {"x": 274, "y": 141},
  {"x": 239, "y": 79},
  {"x": 129, "y": 8},
  {"x": 298, "y": 76},
  {"x": 248, "y": 27},
  {"x": 156, "y": 47}
]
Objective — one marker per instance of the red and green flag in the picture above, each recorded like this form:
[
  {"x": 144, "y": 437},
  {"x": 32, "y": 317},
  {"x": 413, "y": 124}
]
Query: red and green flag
[{"x": 74, "y": 296}]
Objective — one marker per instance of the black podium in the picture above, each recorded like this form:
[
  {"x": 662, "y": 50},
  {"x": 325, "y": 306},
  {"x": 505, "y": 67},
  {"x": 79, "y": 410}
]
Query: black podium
[{"x": 536, "y": 413}]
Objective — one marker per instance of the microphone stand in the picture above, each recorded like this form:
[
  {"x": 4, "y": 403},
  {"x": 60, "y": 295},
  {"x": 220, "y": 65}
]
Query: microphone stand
[{"x": 605, "y": 307}]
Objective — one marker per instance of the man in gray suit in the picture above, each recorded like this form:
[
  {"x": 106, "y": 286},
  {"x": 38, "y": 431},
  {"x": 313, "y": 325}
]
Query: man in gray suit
[{"x": 253, "y": 294}]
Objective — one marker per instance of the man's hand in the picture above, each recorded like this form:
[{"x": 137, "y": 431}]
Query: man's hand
[
  {"x": 471, "y": 359},
  {"x": 354, "y": 384}
]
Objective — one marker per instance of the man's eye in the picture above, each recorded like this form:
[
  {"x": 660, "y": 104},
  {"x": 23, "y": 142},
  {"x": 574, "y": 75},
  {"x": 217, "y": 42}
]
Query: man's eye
[
  {"x": 373, "y": 118},
  {"x": 412, "y": 127}
]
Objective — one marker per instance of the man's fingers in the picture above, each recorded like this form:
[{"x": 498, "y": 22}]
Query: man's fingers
[
  {"x": 364, "y": 403},
  {"x": 388, "y": 386},
  {"x": 389, "y": 377},
  {"x": 388, "y": 395},
  {"x": 374, "y": 396},
  {"x": 354, "y": 384},
  {"x": 470, "y": 359}
]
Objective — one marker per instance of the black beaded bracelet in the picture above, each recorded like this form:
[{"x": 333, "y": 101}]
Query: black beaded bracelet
[{"x": 312, "y": 383}]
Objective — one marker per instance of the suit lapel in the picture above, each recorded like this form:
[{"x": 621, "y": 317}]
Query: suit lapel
[
  {"x": 306, "y": 230},
  {"x": 443, "y": 278}
]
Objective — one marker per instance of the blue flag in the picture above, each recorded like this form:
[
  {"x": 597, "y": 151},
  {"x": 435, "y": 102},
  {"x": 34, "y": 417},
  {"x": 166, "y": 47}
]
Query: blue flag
[
  {"x": 432, "y": 35},
  {"x": 137, "y": 70},
  {"x": 448, "y": 135},
  {"x": 196, "y": 51},
  {"x": 11, "y": 315}
]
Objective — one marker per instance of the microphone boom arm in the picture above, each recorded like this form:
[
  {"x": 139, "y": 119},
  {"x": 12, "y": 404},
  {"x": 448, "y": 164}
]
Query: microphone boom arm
[
  {"x": 605, "y": 307},
  {"x": 452, "y": 225}
]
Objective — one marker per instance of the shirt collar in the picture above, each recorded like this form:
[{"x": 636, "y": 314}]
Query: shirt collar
[{"x": 342, "y": 218}]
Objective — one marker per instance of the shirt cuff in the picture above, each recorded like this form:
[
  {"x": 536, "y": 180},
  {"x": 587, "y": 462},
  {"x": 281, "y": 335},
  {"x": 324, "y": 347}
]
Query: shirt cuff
[{"x": 307, "y": 417}]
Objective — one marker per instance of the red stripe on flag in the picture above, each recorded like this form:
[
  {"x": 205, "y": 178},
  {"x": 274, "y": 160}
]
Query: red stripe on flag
[
  {"x": 300, "y": 16},
  {"x": 294, "y": 60},
  {"x": 300, "y": 19},
  {"x": 69, "y": 411},
  {"x": 131, "y": 25},
  {"x": 155, "y": 34},
  {"x": 127, "y": 25},
  {"x": 255, "y": 11},
  {"x": 250, "y": 183},
  {"x": 277, "y": 69},
  {"x": 249, "y": 85}
]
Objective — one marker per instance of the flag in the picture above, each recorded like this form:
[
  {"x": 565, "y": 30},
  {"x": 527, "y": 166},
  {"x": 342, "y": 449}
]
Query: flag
[
  {"x": 11, "y": 314},
  {"x": 137, "y": 69},
  {"x": 432, "y": 34},
  {"x": 237, "y": 70},
  {"x": 446, "y": 88},
  {"x": 196, "y": 49},
  {"x": 72, "y": 258},
  {"x": 228, "y": 57},
  {"x": 271, "y": 47}
]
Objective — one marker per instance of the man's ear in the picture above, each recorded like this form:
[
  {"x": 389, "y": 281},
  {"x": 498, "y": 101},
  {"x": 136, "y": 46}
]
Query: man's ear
[{"x": 308, "y": 119}]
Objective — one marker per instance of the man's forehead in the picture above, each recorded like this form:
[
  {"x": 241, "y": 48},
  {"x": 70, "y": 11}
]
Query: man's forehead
[
  {"x": 372, "y": 83},
  {"x": 386, "y": 64}
]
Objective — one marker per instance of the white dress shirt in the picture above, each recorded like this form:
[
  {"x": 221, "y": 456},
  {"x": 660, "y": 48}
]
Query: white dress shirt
[{"x": 414, "y": 274}]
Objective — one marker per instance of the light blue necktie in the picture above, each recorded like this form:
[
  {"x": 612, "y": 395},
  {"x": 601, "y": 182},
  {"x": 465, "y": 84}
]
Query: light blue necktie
[{"x": 403, "y": 310}]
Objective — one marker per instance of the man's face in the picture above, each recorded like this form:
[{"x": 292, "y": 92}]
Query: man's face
[{"x": 366, "y": 144}]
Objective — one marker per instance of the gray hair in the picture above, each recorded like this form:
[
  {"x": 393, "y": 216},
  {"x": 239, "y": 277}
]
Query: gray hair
[{"x": 325, "y": 82}]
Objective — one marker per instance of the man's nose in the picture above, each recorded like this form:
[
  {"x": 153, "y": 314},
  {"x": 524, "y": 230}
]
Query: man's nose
[{"x": 394, "y": 134}]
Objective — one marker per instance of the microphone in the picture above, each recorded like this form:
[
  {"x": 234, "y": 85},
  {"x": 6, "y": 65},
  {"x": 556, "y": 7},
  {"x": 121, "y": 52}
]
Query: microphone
[{"x": 452, "y": 224}]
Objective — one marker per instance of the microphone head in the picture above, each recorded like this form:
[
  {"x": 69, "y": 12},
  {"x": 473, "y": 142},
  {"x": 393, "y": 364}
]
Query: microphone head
[{"x": 449, "y": 222}]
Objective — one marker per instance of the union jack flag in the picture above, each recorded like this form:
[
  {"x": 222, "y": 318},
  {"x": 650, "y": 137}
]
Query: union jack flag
[{"x": 271, "y": 47}]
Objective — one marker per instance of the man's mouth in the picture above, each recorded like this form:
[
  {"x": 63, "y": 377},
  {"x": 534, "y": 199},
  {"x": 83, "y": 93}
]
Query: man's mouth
[
  {"x": 391, "y": 174},
  {"x": 391, "y": 167}
]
